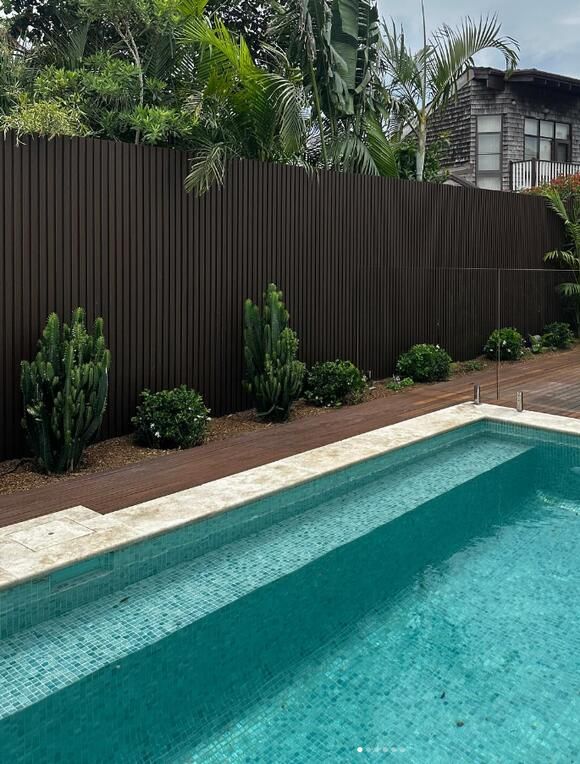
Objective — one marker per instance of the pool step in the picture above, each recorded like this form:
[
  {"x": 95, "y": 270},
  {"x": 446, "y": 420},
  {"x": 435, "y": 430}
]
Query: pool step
[{"x": 60, "y": 651}]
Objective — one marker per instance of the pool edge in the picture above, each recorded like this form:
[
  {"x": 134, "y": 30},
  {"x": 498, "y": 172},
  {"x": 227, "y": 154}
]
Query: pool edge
[{"x": 95, "y": 534}]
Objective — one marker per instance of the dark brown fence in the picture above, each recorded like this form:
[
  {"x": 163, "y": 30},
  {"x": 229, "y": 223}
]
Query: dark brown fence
[{"x": 368, "y": 266}]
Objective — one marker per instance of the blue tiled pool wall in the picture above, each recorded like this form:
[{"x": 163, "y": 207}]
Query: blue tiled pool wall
[
  {"x": 61, "y": 591},
  {"x": 58, "y": 593},
  {"x": 243, "y": 653}
]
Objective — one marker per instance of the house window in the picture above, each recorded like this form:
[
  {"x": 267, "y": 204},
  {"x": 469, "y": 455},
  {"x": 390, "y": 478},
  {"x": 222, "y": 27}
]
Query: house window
[
  {"x": 489, "y": 152},
  {"x": 547, "y": 140}
]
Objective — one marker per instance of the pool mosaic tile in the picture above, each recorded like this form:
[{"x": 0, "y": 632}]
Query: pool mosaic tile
[
  {"x": 418, "y": 605},
  {"x": 150, "y": 609}
]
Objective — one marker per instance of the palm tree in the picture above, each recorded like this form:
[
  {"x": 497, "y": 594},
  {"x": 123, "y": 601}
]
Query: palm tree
[
  {"x": 424, "y": 82},
  {"x": 240, "y": 109},
  {"x": 569, "y": 212}
]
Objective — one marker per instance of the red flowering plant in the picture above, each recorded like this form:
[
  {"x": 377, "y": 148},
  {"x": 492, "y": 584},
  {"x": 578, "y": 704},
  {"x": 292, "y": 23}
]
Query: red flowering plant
[{"x": 567, "y": 186}]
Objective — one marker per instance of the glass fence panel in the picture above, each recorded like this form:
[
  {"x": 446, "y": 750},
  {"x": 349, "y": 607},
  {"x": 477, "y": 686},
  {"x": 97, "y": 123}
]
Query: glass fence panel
[
  {"x": 538, "y": 357},
  {"x": 452, "y": 308}
]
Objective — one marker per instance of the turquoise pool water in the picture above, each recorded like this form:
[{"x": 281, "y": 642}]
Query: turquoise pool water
[{"x": 421, "y": 607}]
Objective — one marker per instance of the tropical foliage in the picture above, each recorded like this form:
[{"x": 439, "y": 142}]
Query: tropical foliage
[
  {"x": 317, "y": 83},
  {"x": 567, "y": 207},
  {"x": 421, "y": 83}
]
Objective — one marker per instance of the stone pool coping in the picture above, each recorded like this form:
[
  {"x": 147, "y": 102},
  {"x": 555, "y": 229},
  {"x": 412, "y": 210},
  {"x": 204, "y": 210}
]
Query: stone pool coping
[{"x": 34, "y": 548}]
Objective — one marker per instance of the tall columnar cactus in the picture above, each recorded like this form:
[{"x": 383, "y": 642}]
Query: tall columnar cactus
[
  {"x": 273, "y": 375},
  {"x": 65, "y": 391}
]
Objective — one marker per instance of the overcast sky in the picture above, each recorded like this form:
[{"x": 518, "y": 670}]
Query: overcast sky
[{"x": 548, "y": 32}]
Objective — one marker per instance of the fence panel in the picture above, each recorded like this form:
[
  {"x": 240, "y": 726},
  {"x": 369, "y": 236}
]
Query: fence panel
[{"x": 368, "y": 265}]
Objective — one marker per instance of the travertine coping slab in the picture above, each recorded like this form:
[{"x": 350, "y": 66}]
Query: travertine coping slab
[{"x": 34, "y": 548}]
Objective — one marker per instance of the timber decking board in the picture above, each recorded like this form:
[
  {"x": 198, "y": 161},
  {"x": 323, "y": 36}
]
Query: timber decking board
[{"x": 544, "y": 381}]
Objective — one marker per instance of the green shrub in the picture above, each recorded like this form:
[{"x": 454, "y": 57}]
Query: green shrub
[
  {"x": 397, "y": 383},
  {"x": 557, "y": 335},
  {"x": 511, "y": 344},
  {"x": 65, "y": 391},
  {"x": 273, "y": 375},
  {"x": 535, "y": 343},
  {"x": 334, "y": 383},
  {"x": 424, "y": 363},
  {"x": 174, "y": 418}
]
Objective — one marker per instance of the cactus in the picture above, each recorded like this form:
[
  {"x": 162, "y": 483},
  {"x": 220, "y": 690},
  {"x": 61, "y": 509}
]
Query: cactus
[
  {"x": 273, "y": 375},
  {"x": 65, "y": 392}
]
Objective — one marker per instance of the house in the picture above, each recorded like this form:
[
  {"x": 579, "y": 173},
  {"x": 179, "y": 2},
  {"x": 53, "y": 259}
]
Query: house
[{"x": 510, "y": 130}]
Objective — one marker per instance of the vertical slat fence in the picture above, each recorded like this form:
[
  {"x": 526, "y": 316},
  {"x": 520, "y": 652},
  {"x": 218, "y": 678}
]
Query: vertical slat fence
[{"x": 368, "y": 265}]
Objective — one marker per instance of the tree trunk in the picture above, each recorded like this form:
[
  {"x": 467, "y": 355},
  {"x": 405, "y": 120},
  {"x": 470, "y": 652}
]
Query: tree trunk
[{"x": 421, "y": 148}]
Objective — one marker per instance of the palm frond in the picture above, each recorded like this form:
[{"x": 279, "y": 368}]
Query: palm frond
[
  {"x": 381, "y": 150},
  {"x": 568, "y": 258},
  {"x": 402, "y": 70},
  {"x": 452, "y": 52},
  {"x": 207, "y": 167},
  {"x": 348, "y": 153},
  {"x": 569, "y": 289},
  {"x": 287, "y": 108}
]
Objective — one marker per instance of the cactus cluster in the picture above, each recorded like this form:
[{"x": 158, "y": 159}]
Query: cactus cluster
[
  {"x": 273, "y": 375},
  {"x": 65, "y": 391}
]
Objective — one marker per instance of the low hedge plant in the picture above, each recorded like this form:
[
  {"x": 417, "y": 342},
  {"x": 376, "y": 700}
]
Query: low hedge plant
[
  {"x": 175, "y": 418},
  {"x": 510, "y": 341},
  {"x": 334, "y": 383},
  {"x": 557, "y": 335},
  {"x": 424, "y": 363}
]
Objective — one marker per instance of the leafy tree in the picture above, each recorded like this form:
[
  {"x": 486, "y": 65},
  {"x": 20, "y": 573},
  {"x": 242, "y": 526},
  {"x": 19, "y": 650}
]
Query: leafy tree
[
  {"x": 14, "y": 71},
  {"x": 423, "y": 82},
  {"x": 34, "y": 21},
  {"x": 569, "y": 213},
  {"x": 248, "y": 19}
]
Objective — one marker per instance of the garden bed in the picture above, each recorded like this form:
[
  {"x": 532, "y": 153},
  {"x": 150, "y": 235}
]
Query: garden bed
[{"x": 21, "y": 474}]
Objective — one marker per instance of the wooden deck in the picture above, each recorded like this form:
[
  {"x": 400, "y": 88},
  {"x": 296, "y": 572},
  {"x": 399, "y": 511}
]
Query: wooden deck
[{"x": 550, "y": 383}]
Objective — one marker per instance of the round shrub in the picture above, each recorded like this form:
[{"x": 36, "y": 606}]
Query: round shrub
[
  {"x": 511, "y": 344},
  {"x": 334, "y": 383},
  {"x": 557, "y": 335},
  {"x": 174, "y": 418},
  {"x": 424, "y": 363}
]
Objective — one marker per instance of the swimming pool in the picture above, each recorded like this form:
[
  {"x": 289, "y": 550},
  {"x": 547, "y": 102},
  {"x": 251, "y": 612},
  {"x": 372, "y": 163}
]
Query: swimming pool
[{"x": 421, "y": 605}]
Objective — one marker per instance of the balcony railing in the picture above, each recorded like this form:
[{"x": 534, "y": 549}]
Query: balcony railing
[{"x": 535, "y": 172}]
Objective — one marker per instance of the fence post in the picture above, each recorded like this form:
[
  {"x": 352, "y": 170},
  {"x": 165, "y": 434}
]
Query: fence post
[{"x": 534, "y": 173}]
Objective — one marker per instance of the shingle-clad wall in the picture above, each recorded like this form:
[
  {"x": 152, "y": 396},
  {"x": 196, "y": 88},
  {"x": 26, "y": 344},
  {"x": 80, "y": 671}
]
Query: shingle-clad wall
[
  {"x": 454, "y": 123},
  {"x": 515, "y": 102}
]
